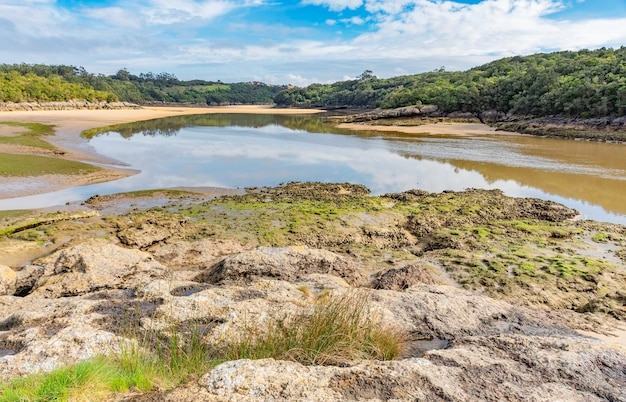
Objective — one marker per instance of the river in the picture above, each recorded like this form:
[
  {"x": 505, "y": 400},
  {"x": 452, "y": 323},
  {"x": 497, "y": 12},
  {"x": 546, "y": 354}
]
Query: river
[{"x": 237, "y": 151}]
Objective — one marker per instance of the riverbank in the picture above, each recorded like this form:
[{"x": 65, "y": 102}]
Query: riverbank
[
  {"x": 428, "y": 119},
  {"x": 68, "y": 124}
]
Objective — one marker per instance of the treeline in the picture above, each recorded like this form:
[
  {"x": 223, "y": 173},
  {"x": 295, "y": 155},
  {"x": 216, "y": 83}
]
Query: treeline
[
  {"x": 38, "y": 82},
  {"x": 582, "y": 84}
]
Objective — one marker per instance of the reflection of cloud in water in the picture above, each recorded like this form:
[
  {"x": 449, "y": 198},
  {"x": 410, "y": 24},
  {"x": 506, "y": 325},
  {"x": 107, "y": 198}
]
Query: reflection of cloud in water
[{"x": 244, "y": 156}]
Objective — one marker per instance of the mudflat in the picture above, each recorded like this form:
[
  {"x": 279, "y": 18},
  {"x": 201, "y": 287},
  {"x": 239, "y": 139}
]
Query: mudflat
[{"x": 68, "y": 124}]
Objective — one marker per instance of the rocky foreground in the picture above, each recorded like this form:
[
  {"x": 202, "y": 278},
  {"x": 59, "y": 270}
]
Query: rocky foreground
[{"x": 492, "y": 294}]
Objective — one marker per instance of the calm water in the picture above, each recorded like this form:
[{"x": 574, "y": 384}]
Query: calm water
[{"x": 257, "y": 150}]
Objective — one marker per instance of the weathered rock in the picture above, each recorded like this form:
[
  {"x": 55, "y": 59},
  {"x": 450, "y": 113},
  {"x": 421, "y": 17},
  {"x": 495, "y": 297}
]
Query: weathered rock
[
  {"x": 8, "y": 280},
  {"x": 407, "y": 276},
  {"x": 195, "y": 255},
  {"x": 66, "y": 105},
  {"x": 96, "y": 265},
  {"x": 564, "y": 369},
  {"x": 27, "y": 277},
  {"x": 147, "y": 233},
  {"x": 287, "y": 263},
  {"x": 43, "y": 334}
]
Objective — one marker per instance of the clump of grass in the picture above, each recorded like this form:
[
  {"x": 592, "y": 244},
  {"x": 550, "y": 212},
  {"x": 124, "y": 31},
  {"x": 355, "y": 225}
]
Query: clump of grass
[
  {"x": 89, "y": 380},
  {"x": 337, "y": 330}
]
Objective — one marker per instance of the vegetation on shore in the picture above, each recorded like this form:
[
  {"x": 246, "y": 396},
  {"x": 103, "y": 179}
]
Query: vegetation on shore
[
  {"x": 31, "y": 164},
  {"x": 15, "y": 165},
  {"x": 582, "y": 84},
  {"x": 577, "y": 84},
  {"x": 43, "y": 83},
  {"x": 30, "y": 136}
]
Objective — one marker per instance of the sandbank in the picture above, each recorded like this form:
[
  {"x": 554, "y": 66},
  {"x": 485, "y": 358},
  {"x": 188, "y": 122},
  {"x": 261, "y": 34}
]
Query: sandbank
[
  {"x": 68, "y": 126},
  {"x": 434, "y": 129}
]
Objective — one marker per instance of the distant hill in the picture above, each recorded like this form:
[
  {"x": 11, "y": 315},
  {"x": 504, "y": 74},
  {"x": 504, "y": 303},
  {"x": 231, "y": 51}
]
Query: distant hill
[
  {"x": 582, "y": 84},
  {"x": 44, "y": 83}
]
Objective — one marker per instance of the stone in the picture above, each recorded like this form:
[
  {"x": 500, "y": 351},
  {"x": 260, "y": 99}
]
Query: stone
[
  {"x": 8, "y": 280},
  {"x": 286, "y": 263},
  {"x": 96, "y": 265}
]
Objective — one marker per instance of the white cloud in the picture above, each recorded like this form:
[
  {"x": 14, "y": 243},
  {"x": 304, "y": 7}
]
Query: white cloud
[
  {"x": 336, "y": 5},
  {"x": 116, "y": 16},
  {"x": 172, "y": 12},
  {"x": 422, "y": 28}
]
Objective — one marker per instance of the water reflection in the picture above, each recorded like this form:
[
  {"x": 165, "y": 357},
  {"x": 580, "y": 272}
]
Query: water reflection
[{"x": 256, "y": 150}]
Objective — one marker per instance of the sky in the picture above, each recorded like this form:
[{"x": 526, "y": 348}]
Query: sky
[{"x": 298, "y": 42}]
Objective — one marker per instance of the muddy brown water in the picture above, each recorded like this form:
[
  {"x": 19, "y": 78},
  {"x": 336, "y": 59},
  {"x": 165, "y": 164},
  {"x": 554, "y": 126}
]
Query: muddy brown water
[{"x": 237, "y": 151}]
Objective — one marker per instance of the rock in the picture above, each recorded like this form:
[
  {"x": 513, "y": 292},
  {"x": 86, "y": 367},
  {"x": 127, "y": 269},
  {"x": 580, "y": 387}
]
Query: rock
[
  {"x": 287, "y": 263},
  {"x": 27, "y": 278},
  {"x": 8, "y": 280},
  {"x": 195, "y": 255},
  {"x": 567, "y": 369},
  {"x": 96, "y": 265},
  {"x": 145, "y": 234},
  {"x": 66, "y": 105},
  {"x": 405, "y": 277},
  {"x": 39, "y": 334}
]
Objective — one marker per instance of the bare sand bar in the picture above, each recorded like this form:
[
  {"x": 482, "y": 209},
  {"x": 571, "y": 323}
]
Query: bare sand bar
[
  {"x": 435, "y": 129},
  {"x": 70, "y": 123}
]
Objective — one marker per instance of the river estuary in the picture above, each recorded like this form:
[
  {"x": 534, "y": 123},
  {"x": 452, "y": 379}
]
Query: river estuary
[{"x": 237, "y": 151}]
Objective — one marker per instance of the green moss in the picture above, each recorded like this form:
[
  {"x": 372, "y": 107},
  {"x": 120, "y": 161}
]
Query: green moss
[
  {"x": 525, "y": 268},
  {"x": 495, "y": 266},
  {"x": 601, "y": 237},
  {"x": 481, "y": 232}
]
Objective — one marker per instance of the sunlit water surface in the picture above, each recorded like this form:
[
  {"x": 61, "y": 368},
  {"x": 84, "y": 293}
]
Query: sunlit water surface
[{"x": 246, "y": 150}]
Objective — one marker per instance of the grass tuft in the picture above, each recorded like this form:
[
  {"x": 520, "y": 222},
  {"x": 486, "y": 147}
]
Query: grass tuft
[{"x": 337, "y": 329}]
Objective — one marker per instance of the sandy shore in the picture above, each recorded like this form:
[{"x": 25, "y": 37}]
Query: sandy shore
[
  {"x": 68, "y": 126},
  {"x": 435, "y": 129}
]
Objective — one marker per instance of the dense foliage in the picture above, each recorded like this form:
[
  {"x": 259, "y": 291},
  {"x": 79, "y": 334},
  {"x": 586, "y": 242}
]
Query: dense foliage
[
  {"x": 584, "y": 83},
  {"x": 26, "y": 82}
]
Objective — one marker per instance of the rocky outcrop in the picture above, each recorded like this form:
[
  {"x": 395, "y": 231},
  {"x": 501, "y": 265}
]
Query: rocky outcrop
[
  {"x": 94, "y": 266},
  {"x": 67, "y": 105},
  {"x": 287, "y": 263},
  {"x": 378, "y": 114},
  {"x": 403, "y": 278},
  {"x": 92, "y": 296}
]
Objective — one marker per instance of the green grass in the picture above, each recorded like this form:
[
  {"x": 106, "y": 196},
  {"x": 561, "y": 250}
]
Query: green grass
[
  {"x": 337, "y": 330},
  {"x": 29, "y": 138},
  {"x": 14, "y": 165}
]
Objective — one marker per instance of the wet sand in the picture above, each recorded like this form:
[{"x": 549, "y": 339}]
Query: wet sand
[
  {"x": 435, "y": 129},
  {"x": 68, "y": 126}
]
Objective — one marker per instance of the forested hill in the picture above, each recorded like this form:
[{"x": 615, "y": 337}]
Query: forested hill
[
  {"x": 582, "y": 84},
  {"x": 44, "y": 83}
]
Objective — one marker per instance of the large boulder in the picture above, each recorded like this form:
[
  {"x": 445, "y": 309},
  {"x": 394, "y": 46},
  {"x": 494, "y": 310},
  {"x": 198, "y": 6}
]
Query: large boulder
[
  {"x": 96, "y": 265},
  {"x": 285, "y": 263}
]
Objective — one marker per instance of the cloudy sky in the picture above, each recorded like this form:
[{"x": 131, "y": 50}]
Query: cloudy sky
[{"x": 298, "y": 41}]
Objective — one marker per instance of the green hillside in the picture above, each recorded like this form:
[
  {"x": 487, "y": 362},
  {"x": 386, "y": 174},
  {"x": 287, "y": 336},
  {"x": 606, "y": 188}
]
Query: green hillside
[
  {"x": 582, "y": 84},
  {"x": 30, "y": 83}
]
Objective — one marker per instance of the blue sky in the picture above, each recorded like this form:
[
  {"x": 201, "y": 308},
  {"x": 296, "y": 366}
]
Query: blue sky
[{"x": 299, "y": 41}]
